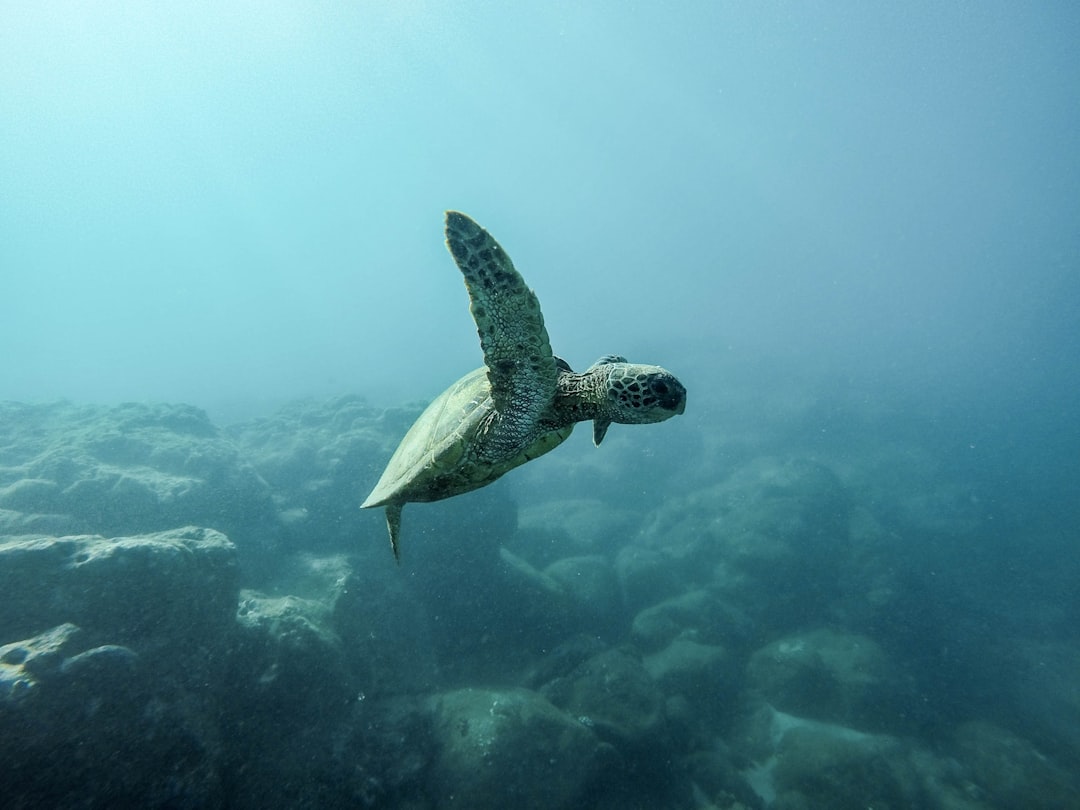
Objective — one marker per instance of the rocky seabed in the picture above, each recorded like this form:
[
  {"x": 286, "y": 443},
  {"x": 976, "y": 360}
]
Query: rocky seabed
[{"x": 198, "y": 617}]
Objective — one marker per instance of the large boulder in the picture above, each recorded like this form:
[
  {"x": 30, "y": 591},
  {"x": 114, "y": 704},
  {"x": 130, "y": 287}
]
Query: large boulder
[
  {"x": 797, "y": 763},
  {"x": 703, "y": 675},
  {"x": 573, "y": 527},
  {"x": 825, "y": 767},
  {"x": 613, "y": 693},
  {"x": 289, "y": 700},
  {"x": 1012, "y": 772},
  {"x": 700, "y": 614},
  {"x": 321, "y": 458},
  {"x": 593, "y": 591},
  {"x": 830, "y": 675},
  {"x": 96, "y": 725},
  {"x": 1040, "y": 691},
  {"x": 123, "y": 470},
  {"x": 168, "y": 588},
  {"x": 509, "y": 748},
  {"x": 287, "y": 656},
  {"x": 767, "y": 539},
  {"x": 802, "y": 764},
  {"x": 387, "y": 636}
]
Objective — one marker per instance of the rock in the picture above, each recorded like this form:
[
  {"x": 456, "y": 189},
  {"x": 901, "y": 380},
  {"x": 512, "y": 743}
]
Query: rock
[
  {"x": 31, "y": 495},
  {"x": 767, "y": 539},
  {"x": 1041, "y": 686},
  {"x": 820, "y": 767},
  {"x": 127, "y": 469},
  {"x": 647, "y": 576},
  {"x": 828, "y": 675},
  {"x": 576, "y": 527},
  {"x": 699, "y": 614},
  {"x": 321, "y": 458},
  {"x": 384, "y": 759},
  {"x": 509, "y": 748},
  {"x": 92, "y": 726},
  {"x": 717, "y": 780},
  {"x": 177, "y": 586},
  {"x": 386, "y": 636},
  {"x": 33, "y": 524},
  {"x": 801, "y": 763},
  {"x": 541, "y": 545},
  {"x": 703, "y": 674},
  {"x": 563, "y": 660},
  {"x": 122, "y": 712},
  {"x": 612, "y": 693},
  {"x": 24, "y": 663},
  {"x": 872, "y": 587},
  {"x": 593, "y": 591},
  {"x": 655, "y": 627},
  {"x": 1011, "y": 772},
  {"x": 286, "y": 656},
  {"x": 290, "y": 700},
  {"x": 486, "y": 633}
]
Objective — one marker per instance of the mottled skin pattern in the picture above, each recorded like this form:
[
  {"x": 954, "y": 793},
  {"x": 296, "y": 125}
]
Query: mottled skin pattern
[
  {"x": 522, "y": 403},
  {"x": 521, "y": 368}
]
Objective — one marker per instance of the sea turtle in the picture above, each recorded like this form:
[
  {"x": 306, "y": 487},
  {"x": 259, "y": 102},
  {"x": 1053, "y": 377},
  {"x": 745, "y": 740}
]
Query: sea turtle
[{"x": 522, "y": 403}]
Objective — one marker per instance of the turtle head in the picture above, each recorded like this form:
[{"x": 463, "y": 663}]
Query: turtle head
[{"x": 636, "y": 394}]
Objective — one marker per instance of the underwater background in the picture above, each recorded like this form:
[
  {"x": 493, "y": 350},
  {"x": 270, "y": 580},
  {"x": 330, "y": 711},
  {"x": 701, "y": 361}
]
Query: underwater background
[{"x": 845, "y": 578}]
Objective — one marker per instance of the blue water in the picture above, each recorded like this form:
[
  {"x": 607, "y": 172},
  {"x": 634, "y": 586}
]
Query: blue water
[{"x": 852, "y": 229}]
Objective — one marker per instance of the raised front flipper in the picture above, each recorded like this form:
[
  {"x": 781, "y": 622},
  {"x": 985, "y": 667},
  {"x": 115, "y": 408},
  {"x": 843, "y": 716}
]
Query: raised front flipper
[{"x": 517, "y": 352}]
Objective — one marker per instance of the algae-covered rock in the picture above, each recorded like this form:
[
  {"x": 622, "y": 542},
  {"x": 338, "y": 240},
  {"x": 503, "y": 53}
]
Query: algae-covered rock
[
  {"x": 819, "y": 767},
  {"x": 766, "y": 539},
  {"x": 387, "y": 636},
  {"x": 291, "y": 698},
  {"x": 613, "y": 693},
  {"x": 126, "y": 469},
  {"x": 85, "y": 725},
  {"x": 703, "y": 674},
  {"x": 647, "y": 576},
  {"x": 803, "y": 763},
  {"x": 1042, "y": 692},
  {"x": 700, "y": 614},
  {"x": 178, "y": 586},
  {"x": 574, "y": 527},
  {"x": 828, "y": 675},
  {"x": 1011, "y": 772},
  {"x": 24, "y": 663},
  {"x": 509, "y": 748},
  {"x": 592, "y": 589},
  {"x": 318, "y": 457},
  {"x": 287, "y": 655}
]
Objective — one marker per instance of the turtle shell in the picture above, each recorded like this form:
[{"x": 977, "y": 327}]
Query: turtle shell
[
  {"x": 438, "y": 457},
  {"x": 433, "y": 461}
]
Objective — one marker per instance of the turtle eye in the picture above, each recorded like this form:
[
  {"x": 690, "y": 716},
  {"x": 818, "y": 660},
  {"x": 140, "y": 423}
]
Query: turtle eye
[{"x": 660, "y": 388}]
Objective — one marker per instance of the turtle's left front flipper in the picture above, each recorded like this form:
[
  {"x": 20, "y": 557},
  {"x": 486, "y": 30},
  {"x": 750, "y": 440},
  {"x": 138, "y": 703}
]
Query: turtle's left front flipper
[{"x": 517, "y": 351}]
